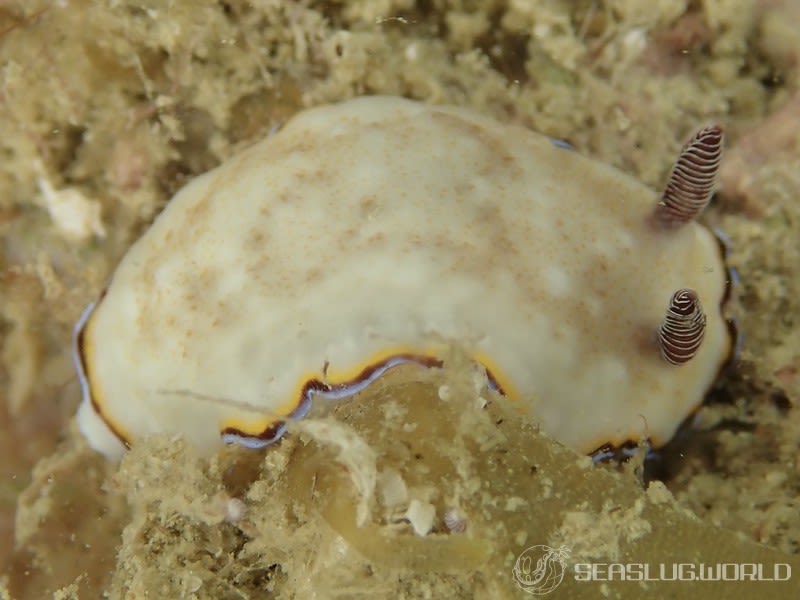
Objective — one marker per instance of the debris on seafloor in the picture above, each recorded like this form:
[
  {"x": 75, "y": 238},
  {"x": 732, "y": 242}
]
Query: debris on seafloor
[
  {"x": 746, "y": 169},
  {"x": 370, "y": 498}
]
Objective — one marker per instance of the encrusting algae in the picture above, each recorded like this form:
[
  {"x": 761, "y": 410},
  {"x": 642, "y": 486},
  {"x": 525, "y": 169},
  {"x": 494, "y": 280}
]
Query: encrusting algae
[
  {"x": 340, "y": 505},
  {"x": 370, "y": 499}
]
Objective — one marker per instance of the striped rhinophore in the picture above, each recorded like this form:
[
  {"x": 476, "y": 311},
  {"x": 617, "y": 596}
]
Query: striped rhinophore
[
  {"x": 682, "y": 330},
  {"x": 692, "y": 180}
]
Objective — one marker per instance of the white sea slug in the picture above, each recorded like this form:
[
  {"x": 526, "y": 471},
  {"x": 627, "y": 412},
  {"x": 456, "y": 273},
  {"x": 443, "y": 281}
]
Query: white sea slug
[{"x": 380, "y": 231}]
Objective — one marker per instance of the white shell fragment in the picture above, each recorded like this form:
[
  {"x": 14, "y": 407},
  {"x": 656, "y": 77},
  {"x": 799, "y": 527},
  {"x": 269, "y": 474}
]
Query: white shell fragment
[
  {"x": 455, "y": 521},
  {"x": 421, "y": 515},
  {"x": 73, "y": 214},
  {"x": 377, "y": 232}
]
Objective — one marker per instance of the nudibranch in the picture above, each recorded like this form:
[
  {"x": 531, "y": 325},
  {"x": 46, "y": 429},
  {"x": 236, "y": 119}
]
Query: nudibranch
[{"x": 382, "y": 231}]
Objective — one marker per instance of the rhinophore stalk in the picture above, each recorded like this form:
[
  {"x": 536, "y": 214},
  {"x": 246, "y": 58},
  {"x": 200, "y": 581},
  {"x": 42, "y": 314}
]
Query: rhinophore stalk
[
  {"x": 682, "y": 330},
  {"x": 692, "y": 180}
]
